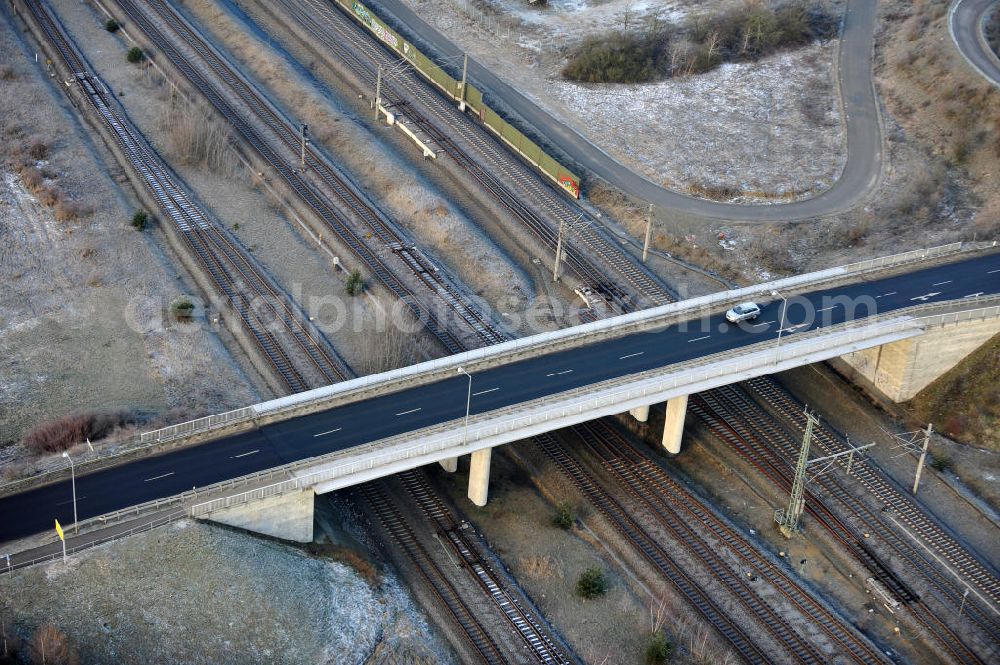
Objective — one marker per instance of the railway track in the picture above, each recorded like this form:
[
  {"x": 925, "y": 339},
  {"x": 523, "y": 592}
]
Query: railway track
[
  {"x": 742, "y": 641},
  {"x": 522, "y": 194},
  {"x": 590, "y": 275},
  {"x": 972, "y": 568},
  {"x": 530, "y": 629},
  {"x": 279, "y": 136},
  {"x": 243, "y": 287},
  {"x": 757, "y": 437},
  {"x": 678, "y": 510},
  {"x": 435, "y": 578}
]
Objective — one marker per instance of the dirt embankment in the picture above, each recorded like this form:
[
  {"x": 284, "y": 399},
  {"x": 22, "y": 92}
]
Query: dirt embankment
[
  {"x": 84, "y": 322},
  {"x": 965, "y": 402},
  {"x": 944, "y": 106}
]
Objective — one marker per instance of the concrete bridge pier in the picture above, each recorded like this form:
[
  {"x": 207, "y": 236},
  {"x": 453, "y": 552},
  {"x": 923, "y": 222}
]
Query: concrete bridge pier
[
  {"x": 479, "y": 476},
  {"x": 673, "y": 424},
  {"x": 640, "y": 413},
  {"x": 449, "y": 464}
]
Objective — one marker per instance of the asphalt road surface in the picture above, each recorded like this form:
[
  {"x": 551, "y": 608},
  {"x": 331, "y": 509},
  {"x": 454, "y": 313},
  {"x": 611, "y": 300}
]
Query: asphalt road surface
[
  {"x": 361, "y": 422},
  {"x": 864, "y": 131},
  {"x": 966, "y": 25}
]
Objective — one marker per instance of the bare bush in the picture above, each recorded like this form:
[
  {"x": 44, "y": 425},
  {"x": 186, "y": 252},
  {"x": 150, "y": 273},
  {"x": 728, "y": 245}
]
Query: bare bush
[
  {"x": 10, "y": 641},
  {"x": 58, "y": 435},
  {"x": 66, "y": 211},
  {"x": 32, "y": 179},
  {"x": 390, "y": 346},
  {"x": 196, "y": 138},
  {"x": 7, "y": 73},
  {"x": 38, "y": 149},
  {"x": 772, "y": 251},
  {"x": 541, "y": 567},
  {"x": 744, "y": 32},
  {"x": 48, "y": 646}
]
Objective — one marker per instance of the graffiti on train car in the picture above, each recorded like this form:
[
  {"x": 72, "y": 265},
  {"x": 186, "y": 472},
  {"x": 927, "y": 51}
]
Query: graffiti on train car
[{"x": 380, "y": 30}]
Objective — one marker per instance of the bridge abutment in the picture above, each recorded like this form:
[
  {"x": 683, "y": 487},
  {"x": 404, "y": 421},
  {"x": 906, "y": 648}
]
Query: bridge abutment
[
  {"x": 479, "y": 476},
  {"x": 673, "y": 424},
  {"x": 900, "y": 370},
  {"x": 287, "y": 516}
]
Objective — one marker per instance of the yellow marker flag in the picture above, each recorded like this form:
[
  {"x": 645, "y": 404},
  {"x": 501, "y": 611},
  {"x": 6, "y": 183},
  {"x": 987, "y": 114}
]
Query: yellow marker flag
[{"x": 59, "y": 531}]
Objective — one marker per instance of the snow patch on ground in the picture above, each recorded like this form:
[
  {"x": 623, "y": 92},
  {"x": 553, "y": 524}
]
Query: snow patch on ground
[
  {"x": 770, "y": 129},
  {"x": 740, "y": 125}
]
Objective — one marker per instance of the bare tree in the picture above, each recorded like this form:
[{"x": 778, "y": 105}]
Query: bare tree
[
  {"x": 627, "y": 14},
  {"x": 390, "y": 342},
  {"x": 48, "y": 646}
]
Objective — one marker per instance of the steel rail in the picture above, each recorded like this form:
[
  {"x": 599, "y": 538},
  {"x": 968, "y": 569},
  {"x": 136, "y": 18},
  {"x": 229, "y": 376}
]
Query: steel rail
[
  {"x": 197, "y": 233},
  {"x": 520, "y": 618}
]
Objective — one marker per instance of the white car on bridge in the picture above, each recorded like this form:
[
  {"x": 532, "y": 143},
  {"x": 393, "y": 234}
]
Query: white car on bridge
[{"x": 745, "y": 311}]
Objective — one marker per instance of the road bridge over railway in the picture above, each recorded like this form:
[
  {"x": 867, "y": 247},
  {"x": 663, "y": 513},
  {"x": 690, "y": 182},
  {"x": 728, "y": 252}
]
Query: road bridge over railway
[{"x": 262, "y": 464}]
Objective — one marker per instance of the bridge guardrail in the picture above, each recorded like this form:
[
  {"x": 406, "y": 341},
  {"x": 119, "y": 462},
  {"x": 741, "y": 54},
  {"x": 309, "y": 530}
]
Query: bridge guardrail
[
  {"x": 620, "y": 324},
  {"x": 388, "y": 450},
  {"x": 199, "y": 425},
  {"x": 691, "y": 376}
]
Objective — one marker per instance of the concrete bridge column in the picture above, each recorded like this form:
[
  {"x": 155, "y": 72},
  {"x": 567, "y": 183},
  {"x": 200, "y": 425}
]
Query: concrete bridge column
[
  {"x": 673, "y": 425},
  {"x": 449, "y": 464},
  {"x": 640, "y": 413},
  {"x": 479, "y": 476}
]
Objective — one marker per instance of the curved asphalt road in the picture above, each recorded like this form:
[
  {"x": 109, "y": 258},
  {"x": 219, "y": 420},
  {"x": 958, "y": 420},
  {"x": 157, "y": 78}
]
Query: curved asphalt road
[
  {"x": 864, "y": 131},
  {"x": 966, "y": 22},
  {"x": 407, "y": 410}
]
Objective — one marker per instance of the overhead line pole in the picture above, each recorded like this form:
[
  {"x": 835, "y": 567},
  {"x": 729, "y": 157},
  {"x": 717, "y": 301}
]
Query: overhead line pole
[
  {"x": 559, "y": 243},
  {"x": 649, "y": 231}
]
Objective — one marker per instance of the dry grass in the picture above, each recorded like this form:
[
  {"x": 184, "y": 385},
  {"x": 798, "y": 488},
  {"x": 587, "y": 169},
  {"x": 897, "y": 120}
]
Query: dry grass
[
  {"x": 540, "y": 567},
  {"x": 390, "y": 344},
  {"x": 348, "y": 557},
  {"x": 951, "y": 110},
  {"x": 620, "y": 207},
  {"x": 62, "y": 434},
  {"x": 965, "y": 402},
  {"x": 196, "y": 138}
]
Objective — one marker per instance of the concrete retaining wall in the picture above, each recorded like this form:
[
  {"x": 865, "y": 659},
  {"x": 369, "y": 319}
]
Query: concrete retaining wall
[{"x": 902, "y": 369}]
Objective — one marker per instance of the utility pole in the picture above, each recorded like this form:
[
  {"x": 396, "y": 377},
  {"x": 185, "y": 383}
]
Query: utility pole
[
  {"x": 559, "y": 242},
  {"x": 305, "y": 139},
  {"x": 923, "y": 456},
  {"x": 789, "y": 522},
  {"x": 378, "y": 90},
  {"x": 465, "y": 72},
  {"x": 649, "y": 231},
  {"x": 788, "y": 518},
  {"x": 908, "y": 441}
]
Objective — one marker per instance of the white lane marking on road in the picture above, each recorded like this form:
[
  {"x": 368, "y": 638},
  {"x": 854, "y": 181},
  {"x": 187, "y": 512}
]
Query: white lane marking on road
[
  {"x": 331, "y": 431},
  {"x": 927, "y": 296},
  {"x": 631, "y": 355},
  {"x": 698, "y": 339},
  {"x": 974, "y": 295},
  {"x": 158, "y": 477},
  {"x": 990, "y": 272},
  {"x": 942, "y": 283},
  {"x": 252, "y": 452},
  {"x": 884, "y": 295},
  {"x": 63, "y": 503},
  {"x": 826, "y": 308},
  {"x": 565, "y": 371},
  {"x": 410, "y": 411},
  {"x": 483, "y": 392}
]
